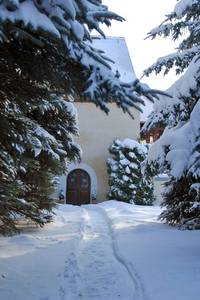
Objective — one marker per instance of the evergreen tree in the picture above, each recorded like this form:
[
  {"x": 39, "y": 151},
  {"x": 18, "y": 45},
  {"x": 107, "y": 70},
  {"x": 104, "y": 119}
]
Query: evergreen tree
[
  {"x": 37, "y": 125},
  {"x": 126, "y": 180},
  {"x": 180, "y": 210},
  {"x": 178, "y": 149}
]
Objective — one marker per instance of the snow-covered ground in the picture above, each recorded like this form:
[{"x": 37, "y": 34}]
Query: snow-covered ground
[{"x": 107, "y": 251}]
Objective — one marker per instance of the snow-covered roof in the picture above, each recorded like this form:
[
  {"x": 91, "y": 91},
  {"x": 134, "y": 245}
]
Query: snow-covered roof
[{"x": 116, "y": 49}]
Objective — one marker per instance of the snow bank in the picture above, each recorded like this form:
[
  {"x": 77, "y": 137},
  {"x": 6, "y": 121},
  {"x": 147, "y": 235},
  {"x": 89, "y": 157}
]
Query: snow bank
[
  {"x": 165, "y": 262},
  {"x": 32, "y": 238}
]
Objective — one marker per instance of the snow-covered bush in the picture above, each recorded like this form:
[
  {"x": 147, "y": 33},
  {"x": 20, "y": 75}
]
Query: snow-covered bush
[
  {"x": 126, "y": 180},
  {"x": 178, "y": 149}
]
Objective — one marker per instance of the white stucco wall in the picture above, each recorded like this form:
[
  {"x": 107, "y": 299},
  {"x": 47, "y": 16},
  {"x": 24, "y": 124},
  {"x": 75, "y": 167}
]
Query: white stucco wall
[{"x": 97, "y": 132}]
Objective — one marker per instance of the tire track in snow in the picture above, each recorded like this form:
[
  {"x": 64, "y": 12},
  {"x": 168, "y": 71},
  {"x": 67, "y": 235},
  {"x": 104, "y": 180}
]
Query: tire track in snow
[
  {"x": 135, "y": 278},
  {"x": 103, "y": 276}
]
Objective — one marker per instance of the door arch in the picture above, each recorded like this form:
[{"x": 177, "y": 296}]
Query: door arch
[{"x": 78, "y": 187}]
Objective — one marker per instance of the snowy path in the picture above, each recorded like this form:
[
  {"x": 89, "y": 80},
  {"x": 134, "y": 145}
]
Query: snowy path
[
  {"x": 101, "y": 274},
  {"x": 107, "y": 251}
]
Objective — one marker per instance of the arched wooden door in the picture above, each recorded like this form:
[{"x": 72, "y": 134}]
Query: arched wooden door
[{"x": 78, "y": 187}]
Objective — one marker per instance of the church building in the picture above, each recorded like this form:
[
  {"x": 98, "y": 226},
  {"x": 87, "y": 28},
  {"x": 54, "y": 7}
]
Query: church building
[{"x": 87, "y": 182}]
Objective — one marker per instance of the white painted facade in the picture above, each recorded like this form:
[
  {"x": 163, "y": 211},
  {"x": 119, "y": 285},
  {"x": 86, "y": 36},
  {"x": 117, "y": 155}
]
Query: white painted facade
[{"x": 97, "y": 132}]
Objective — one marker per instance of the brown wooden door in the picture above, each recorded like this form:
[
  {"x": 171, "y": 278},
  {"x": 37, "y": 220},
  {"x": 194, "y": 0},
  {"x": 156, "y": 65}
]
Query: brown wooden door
[{"x": 78, "y": 187}]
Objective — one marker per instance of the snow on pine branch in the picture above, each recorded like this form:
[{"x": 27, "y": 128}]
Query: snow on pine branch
[
  {"x": 182, "y": 24},
  {"x": 182, "y": 7},
  {"x": 175, "y": 22},
  {"x": 176, "y": 147},
  {"x": 47, "y": 140},
  {"x": 70, "y": 22},
  {"x": 67, "y": 20},
  {"x": 169, "y": 111},
  {"x": 180, "y": 60}
]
